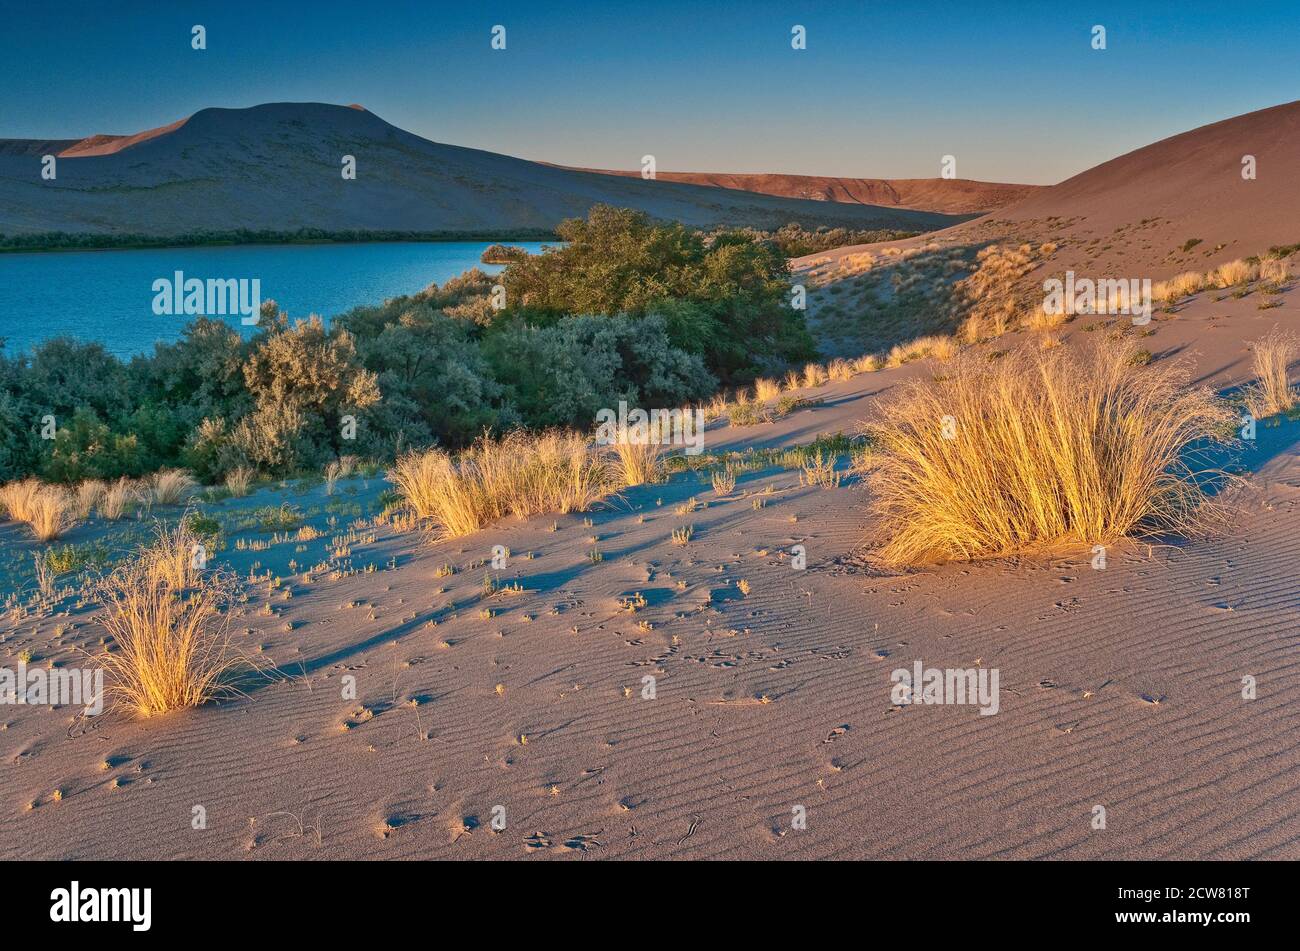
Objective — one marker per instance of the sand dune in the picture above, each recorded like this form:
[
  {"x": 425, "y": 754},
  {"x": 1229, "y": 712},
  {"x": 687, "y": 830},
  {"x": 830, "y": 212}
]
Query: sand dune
[
  {"x": 1119, "y": 687},
  {"x": 1177, "y": 205},
  {"x": 110, "y": 144},
  {"x": 278, "y": 167}
]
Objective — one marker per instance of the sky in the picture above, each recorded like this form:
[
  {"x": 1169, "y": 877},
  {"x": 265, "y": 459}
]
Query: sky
[{"x": 884, "y": 89}]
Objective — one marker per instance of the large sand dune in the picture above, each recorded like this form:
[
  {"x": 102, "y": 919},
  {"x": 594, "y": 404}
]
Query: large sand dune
[
  {"x": 1180, "y": 204},
  {"x": 278, "y": 167}
]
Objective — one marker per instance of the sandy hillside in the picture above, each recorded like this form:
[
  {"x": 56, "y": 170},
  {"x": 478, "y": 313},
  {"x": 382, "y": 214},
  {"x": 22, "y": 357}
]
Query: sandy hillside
[
  {"x": 278, "y": 166},
  {"x": 1118, "y": 687},
  {"x": 1177, "y": 205},
  {"x": 950, "y": 196}
]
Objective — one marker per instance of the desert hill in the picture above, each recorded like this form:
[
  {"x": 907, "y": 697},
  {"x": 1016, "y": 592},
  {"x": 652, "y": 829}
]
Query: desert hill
[
  {"x": 1179, "y": 204},
  {"x": 277, "y": 167}
]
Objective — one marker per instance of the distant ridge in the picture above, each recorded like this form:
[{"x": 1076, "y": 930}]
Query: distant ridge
[
  {"x": 956, "y": 196},
  {"x": 276, "y": 167}
]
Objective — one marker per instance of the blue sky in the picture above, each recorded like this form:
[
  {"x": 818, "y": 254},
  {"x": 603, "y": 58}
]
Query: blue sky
[{"x": 884, "y": 89}]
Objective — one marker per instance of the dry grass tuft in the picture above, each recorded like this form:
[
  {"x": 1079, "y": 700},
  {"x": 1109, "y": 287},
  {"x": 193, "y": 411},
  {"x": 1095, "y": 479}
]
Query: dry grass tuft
[
  {"x": 522, "y": 475},
  {"x": 1039, "y": 451},
  {"x": 765, "y": 389},
  {"x": 840, "y": 369},
  {"x": 239, "y": 480},
  {"x": 819, "y": 469},
  {"x": 118, "y": 500},
  {"x": 1178, "y": 287},
  {"x": 18, "y": 499},
  {"x": 89, "y": 494},
  {"x": 170, "y": 632},
  {"x": 52, "y": 513},
  {"x": 1271, "y": 393},
  {"x": 1232, "y": 273},
  {"x": 1275, "y": 271},
  {"x": 333, "y": 470},
  {"x": 47, "y": 510},
  {"x": 814, "y": 374},
  {"x": 939, "y": 347},
  {"x": 1041, "y": 322},
  {"x": 171, "y": 486},
  {"x": 638, "y": 461}
]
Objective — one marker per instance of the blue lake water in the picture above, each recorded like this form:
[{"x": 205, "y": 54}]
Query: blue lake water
[{"x": 108, "y": 296}]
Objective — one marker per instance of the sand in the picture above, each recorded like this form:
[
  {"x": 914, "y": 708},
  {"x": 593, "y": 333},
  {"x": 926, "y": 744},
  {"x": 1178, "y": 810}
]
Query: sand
[{"x": 1119, "y": 687}]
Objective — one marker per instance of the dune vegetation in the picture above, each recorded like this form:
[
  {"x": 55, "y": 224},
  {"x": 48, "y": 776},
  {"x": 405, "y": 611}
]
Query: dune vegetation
[
  {"x": 170, "y": 642},
  {"x": 1271, "y": 393},
  {"x": 523, "y": 474},
  {"x": 1039, "y": 451},
  {"x": 626, "y": 310}
]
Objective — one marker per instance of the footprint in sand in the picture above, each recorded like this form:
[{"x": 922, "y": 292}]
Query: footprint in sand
[
  {"x": 538, "y": 840},
  {"x": 583, "y": 843}
]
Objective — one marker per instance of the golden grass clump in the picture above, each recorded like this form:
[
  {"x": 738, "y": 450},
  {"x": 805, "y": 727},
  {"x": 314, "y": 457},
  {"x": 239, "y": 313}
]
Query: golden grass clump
[
  {"x": 522, "y": 474},
  {"x": 87, "y": 497},
  {"x": 814, "y": 374},
  {"x": 638, "y": 460},
  {"x": 171, "y": 646},
  {"x": 840, "y": 369},
  {"x": 819, "y": 469},
  {"x": 171, "y": 486},
  {"x": 1041, "y": 322},
  {"x": 118, "y": 499},
  {"x": 1039, "y": 451},
  {"x": 238, "y": 481},
  {"x": 47, "y": 510},
  {"x": 765, "y": 389},
  {"x": 1233, "y": 273},
  {"x": 52, "y": 513},
  {"x": 1178, "y": 287},
  {"x": 867, "y": 363},
  {"x": 18, "y": 499},
  {"x": 1271, "y": 393},
  {"x": 1274, "y": 271},
  {"x": 723, "y": 480},
  {"x": 332, "y": 472},
  {"x": 940, "y": 347}
]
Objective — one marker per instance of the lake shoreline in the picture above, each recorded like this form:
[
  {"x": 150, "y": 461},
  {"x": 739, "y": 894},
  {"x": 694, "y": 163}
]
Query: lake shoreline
[{"x": 263, "y": 238}]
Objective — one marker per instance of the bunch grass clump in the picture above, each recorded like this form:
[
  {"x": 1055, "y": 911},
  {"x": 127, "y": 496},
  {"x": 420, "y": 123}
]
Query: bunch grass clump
[
  {"x": 1271, "y": 393},
  {"x": 118, "y": 500},
  {"x": 523, "y": 474},
  {"x": 48, "y": 511},
  {"x": 1041, "y": 451},
  {"x": 171, "y": 486},
  {"x": 238, "y": 481},
  {"x": 171, "y": 646},
  {"x": 638, "y": 460}
]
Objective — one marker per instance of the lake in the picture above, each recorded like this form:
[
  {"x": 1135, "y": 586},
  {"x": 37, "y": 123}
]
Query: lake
[{"x": 108, "y": 296}]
